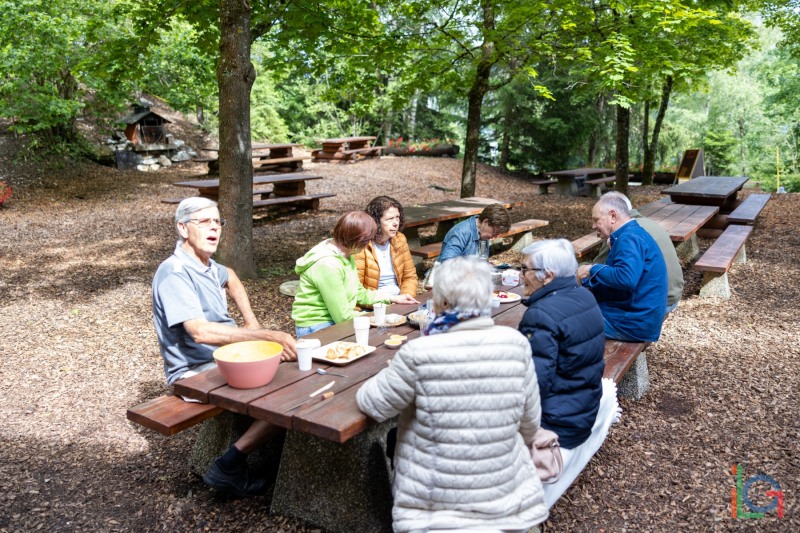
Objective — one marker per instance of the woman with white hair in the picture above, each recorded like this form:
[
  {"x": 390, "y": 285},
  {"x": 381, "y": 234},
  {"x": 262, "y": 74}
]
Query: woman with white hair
[
  {"x": 565, "y": 327},
  {"x": 468, "y": 403}
]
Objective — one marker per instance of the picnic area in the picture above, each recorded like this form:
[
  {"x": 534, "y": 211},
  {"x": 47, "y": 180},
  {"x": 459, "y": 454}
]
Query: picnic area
[{"x": 79, "y": 348}]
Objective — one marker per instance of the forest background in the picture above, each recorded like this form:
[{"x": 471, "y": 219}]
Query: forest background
[{"x": 527, "y": 86}]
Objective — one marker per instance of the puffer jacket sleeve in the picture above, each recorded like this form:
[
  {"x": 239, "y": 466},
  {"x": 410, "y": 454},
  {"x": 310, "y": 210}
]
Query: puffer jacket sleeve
[
  {"x": 532, "y": 414},
  {"x": 390, "y": 391},
  {"x": 362, "y": 266},
  {"x": 542, "y": 332},
  {"x": 404, "y": 265}
]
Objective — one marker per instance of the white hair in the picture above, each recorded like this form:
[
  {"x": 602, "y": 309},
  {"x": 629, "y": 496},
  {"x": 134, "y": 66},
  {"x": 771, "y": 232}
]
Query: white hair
[
  {"x": 464, "y": 284},
  {"x": 617, "y": 194},
  {"x": 189, "y": 206},
  {"x": 619, "y": 204},
  {"x": 556, "y": 256}
]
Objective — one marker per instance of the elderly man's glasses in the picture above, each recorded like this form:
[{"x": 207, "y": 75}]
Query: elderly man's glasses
[{"x": 208, "y": 222}]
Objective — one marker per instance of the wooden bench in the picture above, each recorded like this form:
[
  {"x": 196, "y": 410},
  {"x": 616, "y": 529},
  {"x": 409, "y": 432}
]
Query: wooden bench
[
  {"x": 518, "y": 231},
  {"x": 749, "y": 209},
  {"x": 586, "y": 245},
  {"x": 169, "y": 415},
  {"x": 261, "y": 163},
  {"x": 626, "y": 364},
  {"x": 727, "y": 249},
  {"x": 346, "y": 156},
  {"x": 544, "y": 185},
  {"x": 303, "y": 201},
  {"x": 596, "y": 185}
]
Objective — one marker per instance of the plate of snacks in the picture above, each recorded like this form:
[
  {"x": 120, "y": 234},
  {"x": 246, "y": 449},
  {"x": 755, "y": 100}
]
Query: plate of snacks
[
  {"x": 391, "y": 320},
  {"x": 341, "y": 353},
  {"x": 505, "y": 297}
]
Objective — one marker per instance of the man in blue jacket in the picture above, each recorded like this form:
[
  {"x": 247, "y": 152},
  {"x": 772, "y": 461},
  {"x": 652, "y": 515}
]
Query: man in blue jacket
[{"x": 631, "y": 287}]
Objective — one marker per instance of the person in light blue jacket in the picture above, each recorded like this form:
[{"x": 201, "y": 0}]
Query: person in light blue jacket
[{"x": 463, "y": 239}]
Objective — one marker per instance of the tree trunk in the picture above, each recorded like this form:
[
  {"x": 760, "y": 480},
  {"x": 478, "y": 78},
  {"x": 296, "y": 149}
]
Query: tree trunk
[
  {"x": 505, "y": 142},
  {"x": 480, "y": 87},
  {"x": 235, "y": 75},
  {"x": 650, "y": 149},
  {"x": 645, "y": 132},
  {"x": 594, "y": 137},
  {"x": 623, "y": 132},
  {"x": 412, "y": 117}
]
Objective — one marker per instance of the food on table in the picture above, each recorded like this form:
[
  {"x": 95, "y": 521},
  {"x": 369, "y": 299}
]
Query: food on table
[
  {"x": 344, "y": 351},
  {"x": 393, "y": 343},
  {"x": 503, "y": 295},
  {"x": 398, "y": 337}
]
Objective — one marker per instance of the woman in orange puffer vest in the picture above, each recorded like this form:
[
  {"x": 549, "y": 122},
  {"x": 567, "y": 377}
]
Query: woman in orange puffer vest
[{"x": 385, "y": 264}]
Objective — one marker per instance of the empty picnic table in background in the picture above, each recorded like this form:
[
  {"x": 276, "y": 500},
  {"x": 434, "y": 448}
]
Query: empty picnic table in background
[
  {"x": 287, "y": 189},
  {"x": 708, "y": 190},
  {"x": 346, "y": 150},
  {"x": 275, "y": 157},
  {"x": 571, "y": 182}
]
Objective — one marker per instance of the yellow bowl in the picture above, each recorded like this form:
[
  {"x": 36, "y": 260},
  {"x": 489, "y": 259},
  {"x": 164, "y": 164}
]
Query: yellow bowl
[
  {"x": 249, "y": 364},
  {"x": 392, "y": 343}
]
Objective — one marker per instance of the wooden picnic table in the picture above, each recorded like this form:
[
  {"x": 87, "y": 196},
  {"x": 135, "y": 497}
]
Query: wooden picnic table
[
  {"x": 292, "y": 184},
  {"x": 445, "y": 215},
  {"x": 570, "y": 182},
  {"x": 708, "y": 190},
  {"x": 264, "y": 156},
  {"x": 346, "y": 150}
]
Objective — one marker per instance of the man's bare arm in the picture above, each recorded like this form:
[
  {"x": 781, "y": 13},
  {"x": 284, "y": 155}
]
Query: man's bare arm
[
  {"x": 238, "y": 294},
  {"x": 215, "y": 334}
]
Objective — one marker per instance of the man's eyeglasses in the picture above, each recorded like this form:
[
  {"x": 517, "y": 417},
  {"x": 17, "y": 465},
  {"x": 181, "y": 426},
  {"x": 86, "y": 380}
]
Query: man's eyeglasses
[
  {"x": 207, "y": 222},
  {"x": 523, "y": 269}
]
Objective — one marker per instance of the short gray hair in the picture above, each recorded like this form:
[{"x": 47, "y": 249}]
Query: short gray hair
[
  {"x": 556, "y": 256},
  {"x": 620, "y": 205},
  {"x": 617, "y": 194},
  {"x": 189, "y": 206},
  {"x": 465, "y": 285}
]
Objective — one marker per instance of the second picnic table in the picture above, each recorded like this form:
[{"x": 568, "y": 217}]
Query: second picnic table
[
  {"x": 346, "y": 150},
  {"x": 708, "y": 190},
  {"x": 570, "y": 182},
  {"x": 286, "y": 189},
  {"x": 265, "y": 157}
]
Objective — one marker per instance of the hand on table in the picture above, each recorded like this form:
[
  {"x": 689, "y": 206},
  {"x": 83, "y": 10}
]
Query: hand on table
[
  {"x": 288, "y": 342},
  {"x": 403, "y": 299}
]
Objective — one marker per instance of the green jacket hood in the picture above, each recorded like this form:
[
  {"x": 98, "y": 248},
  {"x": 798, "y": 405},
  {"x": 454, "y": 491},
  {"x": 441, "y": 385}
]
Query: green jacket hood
[{"x": 324, "y": 249}]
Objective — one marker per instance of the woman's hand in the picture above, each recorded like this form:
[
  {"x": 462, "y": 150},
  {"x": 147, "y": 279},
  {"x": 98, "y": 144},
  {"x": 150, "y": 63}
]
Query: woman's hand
[{"x": 403, "y": 299}]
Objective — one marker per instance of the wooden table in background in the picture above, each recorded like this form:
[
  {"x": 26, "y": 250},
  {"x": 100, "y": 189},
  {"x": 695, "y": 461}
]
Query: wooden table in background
[
  {"x": 346, "y": 150},
  {"x": 265, "y": 157},
  {"x": 708, "y": 190},
  {"x": 570, "y": 182}
]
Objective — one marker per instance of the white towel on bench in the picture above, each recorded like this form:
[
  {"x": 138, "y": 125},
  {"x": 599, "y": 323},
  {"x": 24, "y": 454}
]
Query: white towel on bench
[{"x": 576, "y": 459}]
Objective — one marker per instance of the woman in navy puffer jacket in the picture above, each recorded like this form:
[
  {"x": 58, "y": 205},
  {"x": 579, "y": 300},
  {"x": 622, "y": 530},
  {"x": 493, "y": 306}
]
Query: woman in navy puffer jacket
[{"x": 565, "y": 329}]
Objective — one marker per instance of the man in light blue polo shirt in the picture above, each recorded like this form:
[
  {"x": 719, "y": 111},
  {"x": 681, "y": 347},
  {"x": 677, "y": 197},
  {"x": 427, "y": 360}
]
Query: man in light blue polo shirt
[{"x": 190, "y": 312}]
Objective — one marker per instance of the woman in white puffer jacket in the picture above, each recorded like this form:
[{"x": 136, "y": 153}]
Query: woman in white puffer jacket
[{"x": 468, "y": 404}]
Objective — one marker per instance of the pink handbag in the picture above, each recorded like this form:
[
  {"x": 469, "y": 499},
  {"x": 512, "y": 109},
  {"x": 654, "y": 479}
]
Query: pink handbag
[{"x": 546, "y": 454}]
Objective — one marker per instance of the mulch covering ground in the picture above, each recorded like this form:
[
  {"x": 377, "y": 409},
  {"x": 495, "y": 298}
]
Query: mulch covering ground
[{"x": 79, "y": 249}]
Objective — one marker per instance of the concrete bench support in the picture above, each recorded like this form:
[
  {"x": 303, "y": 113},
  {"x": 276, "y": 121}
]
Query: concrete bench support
[
  {"x": 715, "y": 284},
  {"x": 636, "y": 381},
  {"x": 339, "y": 487}
]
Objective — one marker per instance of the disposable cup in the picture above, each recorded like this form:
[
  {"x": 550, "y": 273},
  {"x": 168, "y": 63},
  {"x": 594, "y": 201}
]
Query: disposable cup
[
  {"x": 361, "y": 328},
  {"x": 379, "y": 310},
  {"x": 304, "y": 349}
]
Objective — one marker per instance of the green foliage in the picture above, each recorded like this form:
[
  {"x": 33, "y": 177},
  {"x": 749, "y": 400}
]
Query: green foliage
[
  {"x": 266, "y": 123},
  {"x": 720, "y": 153}
]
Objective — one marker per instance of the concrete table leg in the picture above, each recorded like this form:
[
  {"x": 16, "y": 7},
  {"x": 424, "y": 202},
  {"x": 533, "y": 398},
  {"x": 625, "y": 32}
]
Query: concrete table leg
[
  {"x": 339, "y": 487},
  {"x": 636, "y": 381},
  {"x": 688, "y": 250}
]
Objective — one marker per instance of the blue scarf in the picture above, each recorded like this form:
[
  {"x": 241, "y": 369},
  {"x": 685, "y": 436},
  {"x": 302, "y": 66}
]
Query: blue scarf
[{"x": 447, "y": 319}]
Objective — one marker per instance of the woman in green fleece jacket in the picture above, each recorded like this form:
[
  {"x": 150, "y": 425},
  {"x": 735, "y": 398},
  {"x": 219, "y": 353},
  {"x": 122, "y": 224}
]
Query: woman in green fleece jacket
[{"x": 329, "y": 289}]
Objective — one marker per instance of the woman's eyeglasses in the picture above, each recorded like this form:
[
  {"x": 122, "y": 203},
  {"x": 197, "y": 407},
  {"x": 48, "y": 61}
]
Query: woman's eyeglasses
[{"x": 207, "y": 222}]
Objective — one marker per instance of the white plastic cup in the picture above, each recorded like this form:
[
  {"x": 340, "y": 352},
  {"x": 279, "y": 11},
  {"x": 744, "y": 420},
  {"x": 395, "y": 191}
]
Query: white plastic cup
[
  {"x": 379, "y": 311},
  {"x": 304, "y": 349},
  {"x": 361, "y": 328}
]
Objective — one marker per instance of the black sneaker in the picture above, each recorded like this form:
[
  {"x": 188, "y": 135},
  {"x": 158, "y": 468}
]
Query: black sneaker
[{"x": 238, "y": 484}]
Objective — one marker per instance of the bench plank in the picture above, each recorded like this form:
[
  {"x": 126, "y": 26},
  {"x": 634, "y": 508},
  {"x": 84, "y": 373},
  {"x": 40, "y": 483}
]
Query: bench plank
[
  {"x": 620, "y": 356},
  {"x": 749, "y": 210},
  {"x": 600, "y": 181},
  {"x": 720, "y": 255},
  {"x": 169, "y": 415},
  {"x": 544, "y": 185},
  {"x": 291, "y": 199},
  {"x": 586, "y": 244}
]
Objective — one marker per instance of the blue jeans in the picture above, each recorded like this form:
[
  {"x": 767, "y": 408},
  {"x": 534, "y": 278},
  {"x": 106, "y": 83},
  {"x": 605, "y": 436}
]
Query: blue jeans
[
  {"x": 671, "y": 308},
  {"x": 613, "y": 333},
  {"x": 301, "y": 332}
]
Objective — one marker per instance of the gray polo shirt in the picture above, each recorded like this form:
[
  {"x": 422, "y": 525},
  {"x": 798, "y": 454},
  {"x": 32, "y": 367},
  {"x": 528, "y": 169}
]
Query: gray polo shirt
[{"x": 185, "y": 289}]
